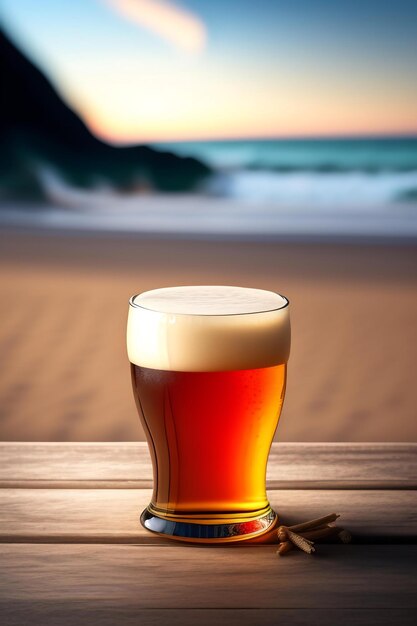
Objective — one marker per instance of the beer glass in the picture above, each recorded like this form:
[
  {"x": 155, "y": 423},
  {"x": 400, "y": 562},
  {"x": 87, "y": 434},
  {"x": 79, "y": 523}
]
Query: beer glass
[{"x": 208, "y": 370}]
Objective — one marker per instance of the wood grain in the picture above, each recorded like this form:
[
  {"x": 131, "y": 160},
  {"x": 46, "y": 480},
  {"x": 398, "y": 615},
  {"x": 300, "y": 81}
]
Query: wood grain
[
  {"x": 195, "y": 577},
  {"x": 58, "y": 613},
  {"x": 127, "y": 465},
  {"x": 112, "y": 515},
  {"x": 115, "y": 572}
]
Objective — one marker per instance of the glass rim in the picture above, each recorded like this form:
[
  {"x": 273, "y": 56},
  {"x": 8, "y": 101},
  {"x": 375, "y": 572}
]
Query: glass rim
[{"x": 135, "y": 305}]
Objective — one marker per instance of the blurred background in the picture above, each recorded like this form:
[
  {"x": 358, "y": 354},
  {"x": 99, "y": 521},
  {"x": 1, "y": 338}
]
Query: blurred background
[{"x": 148, "y": 143}]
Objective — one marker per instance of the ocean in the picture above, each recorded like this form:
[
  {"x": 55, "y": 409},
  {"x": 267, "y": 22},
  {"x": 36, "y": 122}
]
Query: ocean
[
  {"x": 352, "y": 189},
  {"x": 313, "y": 172}
]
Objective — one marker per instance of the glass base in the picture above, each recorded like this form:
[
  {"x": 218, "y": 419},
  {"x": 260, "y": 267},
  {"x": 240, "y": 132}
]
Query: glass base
[{"x": 206, "y": 532}]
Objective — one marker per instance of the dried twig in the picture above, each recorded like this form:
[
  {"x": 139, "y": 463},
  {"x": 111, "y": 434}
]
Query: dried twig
[
  {"x": 315, "y": 523},
  {"x": 284, "y": 547},
  {"x": 304, "y": 544},
  {"x": 303, "y": 535},
  {"x": 282, "y": 533},
  {"x": 322, "y": 533}
]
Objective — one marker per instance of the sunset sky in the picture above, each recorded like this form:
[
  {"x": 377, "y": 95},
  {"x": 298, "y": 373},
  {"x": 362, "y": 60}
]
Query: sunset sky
[{"x": 153, "y": 70}]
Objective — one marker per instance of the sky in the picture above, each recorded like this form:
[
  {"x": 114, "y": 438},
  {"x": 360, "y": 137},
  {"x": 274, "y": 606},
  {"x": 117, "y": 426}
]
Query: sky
[{"x": 159, "y": 70}]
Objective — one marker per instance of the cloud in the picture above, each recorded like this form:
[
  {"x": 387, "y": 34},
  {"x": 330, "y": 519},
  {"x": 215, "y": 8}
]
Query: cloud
[{"x": 165, "y": 19}]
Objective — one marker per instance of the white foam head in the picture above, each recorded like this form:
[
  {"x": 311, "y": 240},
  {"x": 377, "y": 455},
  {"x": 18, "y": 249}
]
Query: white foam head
[{"x": 208, "y": 328}]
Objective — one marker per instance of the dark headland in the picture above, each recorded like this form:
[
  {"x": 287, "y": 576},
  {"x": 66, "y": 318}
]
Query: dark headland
[{"x": 38, "y": 128}]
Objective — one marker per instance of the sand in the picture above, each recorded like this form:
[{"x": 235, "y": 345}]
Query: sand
[{"x": 63, "y": 308}]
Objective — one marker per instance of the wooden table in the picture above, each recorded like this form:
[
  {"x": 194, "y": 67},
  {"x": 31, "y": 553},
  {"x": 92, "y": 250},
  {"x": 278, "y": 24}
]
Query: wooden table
[{"x": 73, "y": 551}]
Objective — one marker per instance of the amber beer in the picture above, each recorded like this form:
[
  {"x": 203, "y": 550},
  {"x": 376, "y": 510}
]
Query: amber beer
[{"x": 209, "y": 370}]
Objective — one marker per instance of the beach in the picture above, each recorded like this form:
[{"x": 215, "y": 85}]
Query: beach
[{"x": 351, "y": 374}]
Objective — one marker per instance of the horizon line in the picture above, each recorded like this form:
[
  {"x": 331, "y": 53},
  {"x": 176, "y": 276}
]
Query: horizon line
[{"x": 336, "y": 137}]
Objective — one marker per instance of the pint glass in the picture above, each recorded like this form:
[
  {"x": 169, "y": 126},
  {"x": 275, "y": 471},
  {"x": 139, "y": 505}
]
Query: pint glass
[{"x": 208, "y": 370}]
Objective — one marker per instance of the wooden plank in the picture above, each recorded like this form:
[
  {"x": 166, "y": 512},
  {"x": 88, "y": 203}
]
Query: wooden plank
[
  {"x": 366, "y": 577},
  {"x": 75, "y": 462},
  {"x": 127, "y": 465},
  {"x": 112, "y": 516},
  {"x": 89, "y": 612}
]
